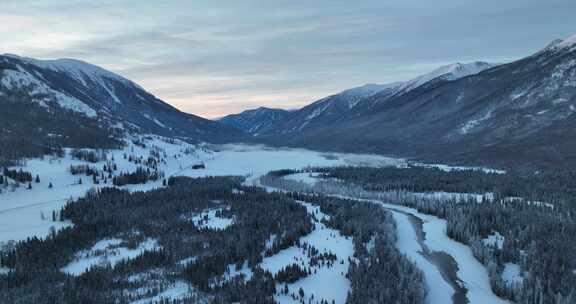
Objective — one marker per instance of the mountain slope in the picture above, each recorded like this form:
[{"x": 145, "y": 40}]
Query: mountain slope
[
  {"x": 87, "y": 91},
  {"x": 447, "y": 72},
  {"x": 521, "y": 112},
  {"x": 47, "y": 104},
  {"x": 333, "y": 109},
  {"x": 254, "y": 121}
]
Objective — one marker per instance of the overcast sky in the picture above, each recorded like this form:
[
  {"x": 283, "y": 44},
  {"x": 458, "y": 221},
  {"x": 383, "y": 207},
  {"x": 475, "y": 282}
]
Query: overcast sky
[{"x": 215, "y": 57}]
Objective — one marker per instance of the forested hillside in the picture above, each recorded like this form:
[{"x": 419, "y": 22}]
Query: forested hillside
[
  {"x": 522, "y": 229},
  {"x": 202, "y": 240}
]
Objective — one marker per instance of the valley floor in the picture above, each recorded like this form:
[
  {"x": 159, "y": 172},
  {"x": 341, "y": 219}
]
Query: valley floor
[
  {"x": 29, "y": 212},
  {"x": 25, "y": 213},
  {"x": 451, "y": 272}
]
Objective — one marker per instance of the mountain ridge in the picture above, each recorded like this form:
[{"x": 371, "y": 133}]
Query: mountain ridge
[
  {"x": 331, "y": 109},
  {"x": 508, "y": 114},
  {"x": 254, "y": 121},
  {"x": 69, "y": 94}
]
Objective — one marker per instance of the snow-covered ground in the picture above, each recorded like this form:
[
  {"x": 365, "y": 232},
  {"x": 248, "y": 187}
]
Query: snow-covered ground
[
  {"x": 106, "y": 252},
  {"x": 514, "y": 199},
  {"x": 470, "y": 271},
  {"x": 495, "y": 240},
  {"x": 439, "y": 291},
  {"x": 209, "y": 219},
  {"x": 25, "y": 213},
  {"x": 176, "y": 291},
  {"x": 329, "y": 283},
  {"x": 233, "y": 271},
  {"x": 306, "y": 177},
  {"x": 448, "y": 168},
  {"x": 512, "y": 274},
  {"x": 457, "y": 196}
]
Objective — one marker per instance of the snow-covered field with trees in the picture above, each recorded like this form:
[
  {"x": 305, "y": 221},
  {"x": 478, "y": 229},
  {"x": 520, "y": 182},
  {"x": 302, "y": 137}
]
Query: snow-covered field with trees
[
  {"x": 31, "y": 208},
  {"x": 461, "y": 279},
  {"x": 471, "y": 272},
  {"x": 28, "y": 212},
  {"x": 106, "y": 252},
  {"x": 327, "y": 280}
]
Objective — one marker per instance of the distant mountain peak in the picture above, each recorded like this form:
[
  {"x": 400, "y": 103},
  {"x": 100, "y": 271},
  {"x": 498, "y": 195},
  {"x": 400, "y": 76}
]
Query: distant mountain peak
[
  {"x": 368, "y": 89},
  {"x": 81, "y": 70},
  {"x": 254, "y": 121},
  {"x": 448, "y": 72},
  {"x": 559, "y": 44},
  {"x": 459, "y": 69}
]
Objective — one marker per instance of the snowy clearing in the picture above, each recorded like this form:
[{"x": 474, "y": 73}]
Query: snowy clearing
[
  {"x": 25, "y": 213},
  {"x": 233, "y": 271},
  {"x": 209, "y": 219},
  {"x": 495, "y": 240},
  {"x": 448, "y": 168},
  {"x": 512, "y": 274},
  {"x": 106, "y": 252},
  {"x": 306, "y": 177},
  {"x": 176, "y": 291},
  {"x": 327, "y": 282}
]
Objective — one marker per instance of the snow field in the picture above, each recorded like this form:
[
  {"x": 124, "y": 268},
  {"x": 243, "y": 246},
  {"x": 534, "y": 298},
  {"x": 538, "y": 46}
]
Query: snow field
[
  {"x": 209, "y": 219},
  {"x": 308, "y": 178},
  {"x": 470, "y": 271},
  {"x": 439, "y": 291},
  {"x": 178, "y": 290},
  {"x": 21, "y": 210},
  {"x": 495, "y": 240},
  {"x": 329, "y": 283},
  {"x": 233, "y": 271},
  {"x": 512, "y": 274},
  {"x": 25, "y": 213},
  {"x": 106, "y": 252}
]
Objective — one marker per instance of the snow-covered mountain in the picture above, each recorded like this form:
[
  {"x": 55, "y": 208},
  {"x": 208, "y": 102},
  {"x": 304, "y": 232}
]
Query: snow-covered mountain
[
  {"x": 332, "y": 109},
  {"x": 520, "y": 112},
  {"x": 448, "y": 72},
  {"x": 76, "y": 94},
  {"x": 254, "y": 121}
]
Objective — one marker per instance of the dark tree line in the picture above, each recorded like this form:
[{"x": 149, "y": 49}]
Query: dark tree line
[
  {"x": 18, "y": 175},
  {"x": 89, "y": 155},
  {"x": 291, "y": 274},
  {"x": 140, "y": 176},
  {"x": 557, "y": 187}
]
